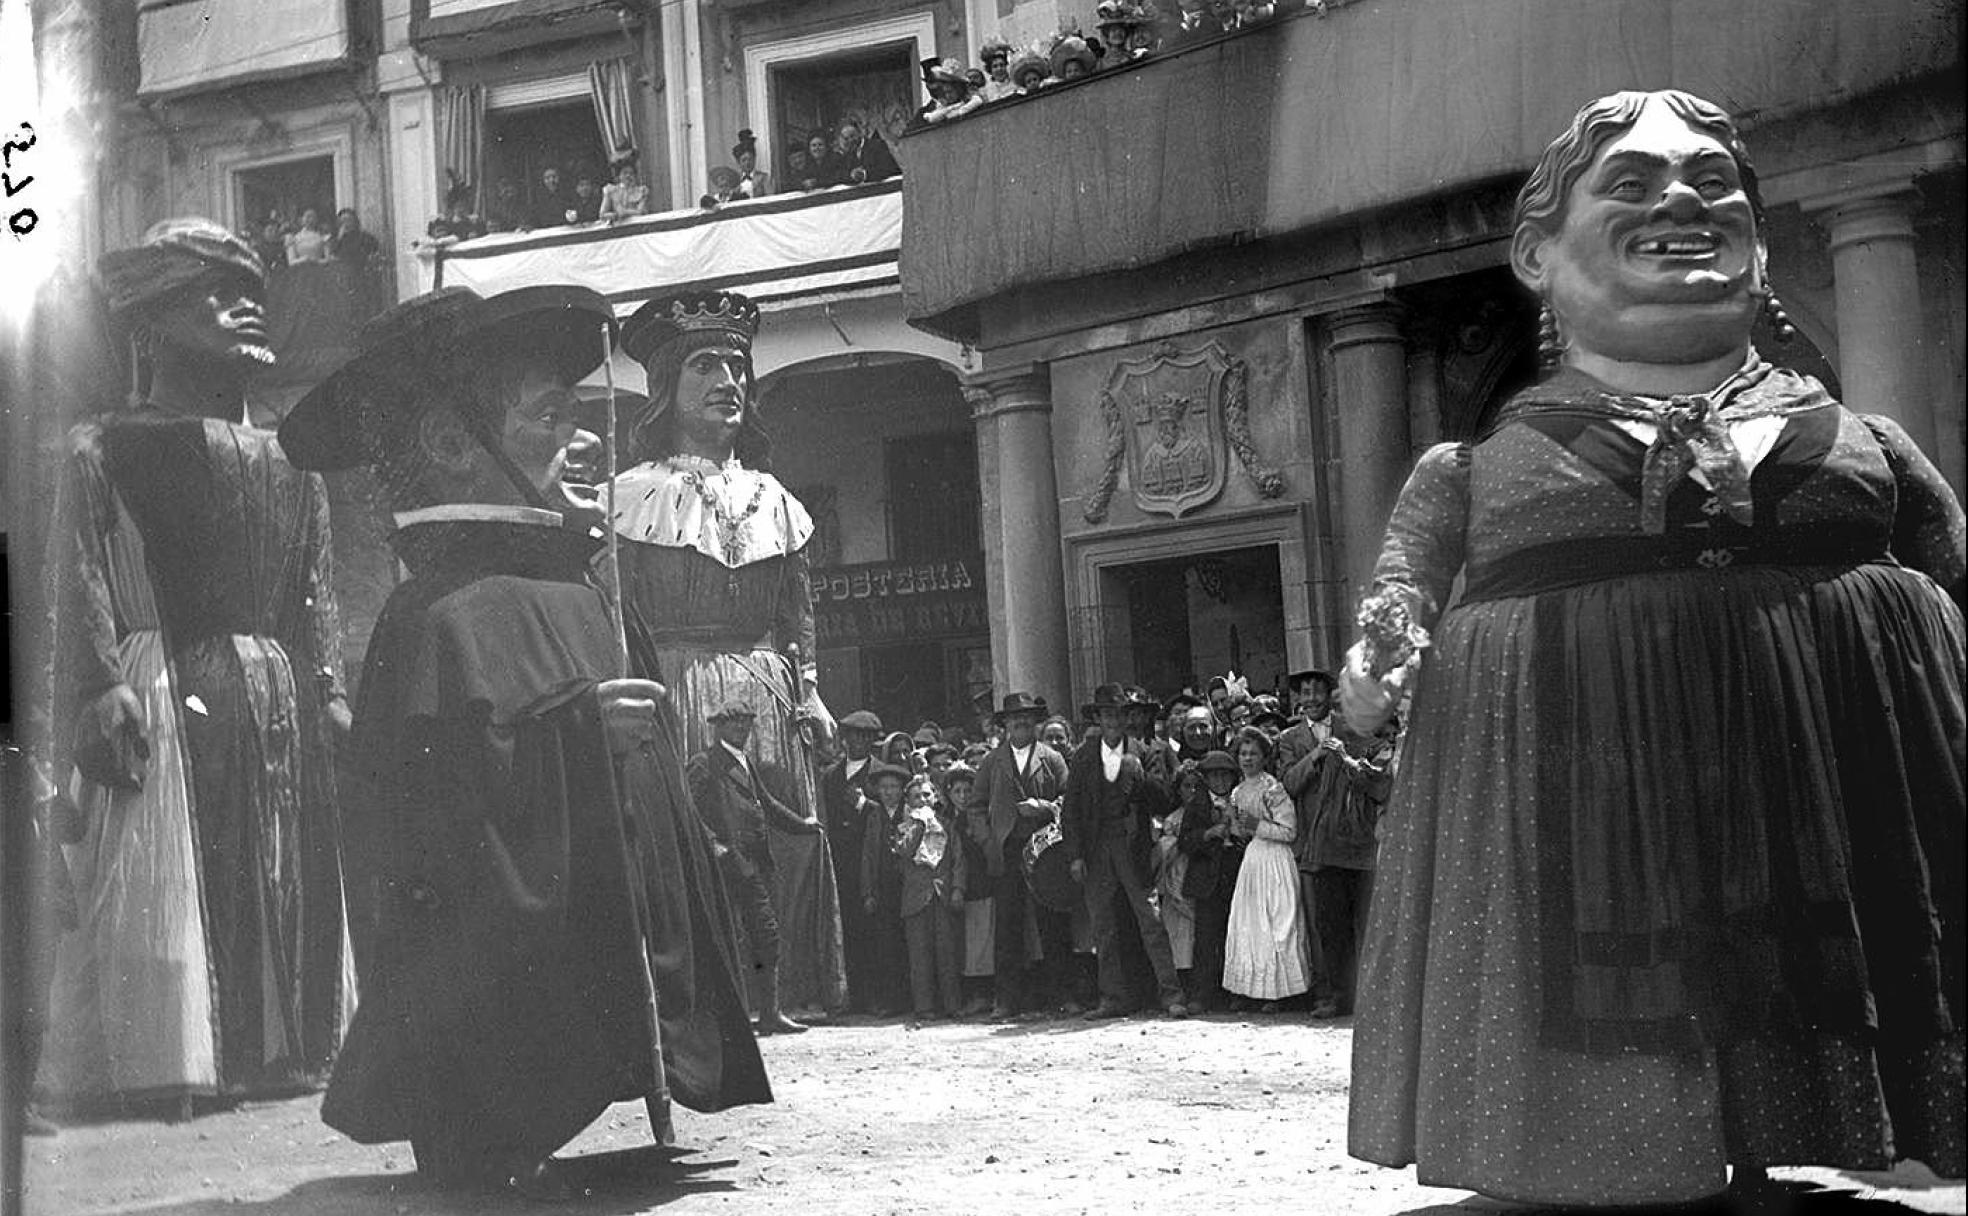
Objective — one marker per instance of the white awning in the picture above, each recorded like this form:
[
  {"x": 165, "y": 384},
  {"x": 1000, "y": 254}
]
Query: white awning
[
  {"x": 783, "y": 250},
  {"x": 196, "y": 44}
]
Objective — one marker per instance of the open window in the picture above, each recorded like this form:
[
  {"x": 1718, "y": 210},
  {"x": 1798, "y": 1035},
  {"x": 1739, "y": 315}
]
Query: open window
[
  {"x": 522, "y": 143},
  {"x": 873, "y": 85}
]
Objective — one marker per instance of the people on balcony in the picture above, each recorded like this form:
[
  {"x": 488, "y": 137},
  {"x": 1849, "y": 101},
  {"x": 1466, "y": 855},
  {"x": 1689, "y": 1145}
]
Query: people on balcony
[
  {"x": 865, "y": 157},
  {"x": 822, "y": 166},
  {"x": 459, "y": 222},
  {"x": 753, "y": 182},
  {"x": 587, "y": 197},
  {"x": 724, "y": 187},
  {"x": 1072, "y": 58},
  {"x": 626, "y": 196},
  {"x": 506, "y": 214},
  {"x": 351, "y": 244},
  {"x": 950, "y": 95},
  {"x": 553, "y": 203},
  {"x": 271, "y": 246},
  {"x": 1030, "y": 71},
  {"x": 995, "y": 55},
  {"x": 309, "y": 242}
]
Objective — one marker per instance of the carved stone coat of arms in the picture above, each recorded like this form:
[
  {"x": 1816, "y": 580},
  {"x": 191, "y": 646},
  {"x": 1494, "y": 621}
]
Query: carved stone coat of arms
[{"x": 1171, "y": 419}]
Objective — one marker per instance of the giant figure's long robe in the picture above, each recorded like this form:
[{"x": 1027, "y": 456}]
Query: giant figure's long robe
[
  {"x": 190, "y": 562},
  {"x": 505, "y": 1006}
]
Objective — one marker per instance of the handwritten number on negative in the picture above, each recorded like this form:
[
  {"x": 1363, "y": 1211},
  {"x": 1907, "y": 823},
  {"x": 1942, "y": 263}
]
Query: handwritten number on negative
[{"x": 16, "y": 145}]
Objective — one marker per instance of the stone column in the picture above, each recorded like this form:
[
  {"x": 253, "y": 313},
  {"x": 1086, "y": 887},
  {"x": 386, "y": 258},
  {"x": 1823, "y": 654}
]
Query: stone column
[
  {"x": 1881, "y": 361},
  {"x": 1026, "y": 578},
  {"x": 1370, "y": 409}
]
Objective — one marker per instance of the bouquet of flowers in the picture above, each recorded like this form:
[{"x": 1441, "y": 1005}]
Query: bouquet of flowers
[{"x": 1391, "y": 636}]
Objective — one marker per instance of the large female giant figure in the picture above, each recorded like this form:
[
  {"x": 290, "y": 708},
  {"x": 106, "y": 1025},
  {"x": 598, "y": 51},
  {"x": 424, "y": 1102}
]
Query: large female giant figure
[
  {"x": 714, "y": 566},
  {"x": 1671, "y": 877}
]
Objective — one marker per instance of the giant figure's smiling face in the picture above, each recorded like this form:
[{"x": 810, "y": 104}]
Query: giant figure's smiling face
[{"x": 1656, "y": 257}]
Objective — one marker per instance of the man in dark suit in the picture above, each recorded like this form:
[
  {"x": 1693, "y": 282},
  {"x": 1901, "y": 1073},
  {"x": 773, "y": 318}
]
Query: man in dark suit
[
  {"x": 736, "y": 805},
  {"x": 1019, "y": 786},
  {"x": 1111, "y": 800},
  {"x": 1215, "y": 854},
  {"x": 863, "y": 158},
  {"x": 843, "y": 801},
  {"x": 1297, "y": 765}
]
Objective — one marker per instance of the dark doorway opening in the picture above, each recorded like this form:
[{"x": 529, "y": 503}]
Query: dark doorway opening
[
  {"x": 1197, "y": 616},
  {"x": 875, "y": 86},
  {"x": 521, "y": 144},
  {"x": 285, "y": 191}
]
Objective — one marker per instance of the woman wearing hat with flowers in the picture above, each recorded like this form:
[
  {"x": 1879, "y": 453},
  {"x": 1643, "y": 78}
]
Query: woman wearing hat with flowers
[
  {"x": 197, "y": 694},
  {"x": 523, "y": 936},
  {"x": 713, "y": 554}
]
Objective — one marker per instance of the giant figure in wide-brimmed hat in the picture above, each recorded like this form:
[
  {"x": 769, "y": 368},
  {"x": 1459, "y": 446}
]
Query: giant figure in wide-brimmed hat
[
  {"x": 713, "y": 554},
  {"x": 540, "y": 880},
  {"x": 197, "y": 684}
]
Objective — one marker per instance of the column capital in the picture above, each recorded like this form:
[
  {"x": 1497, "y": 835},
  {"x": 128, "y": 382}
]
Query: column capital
[
  {"x": 1375, "y": 322},
  {"x": 1025, "y": 388},
  {"x": 1875, "y": 213}
]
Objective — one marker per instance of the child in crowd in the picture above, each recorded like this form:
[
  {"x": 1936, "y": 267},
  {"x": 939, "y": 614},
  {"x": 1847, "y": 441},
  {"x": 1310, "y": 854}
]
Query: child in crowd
[
  {"x": 1178, "y": 913},
  {"x": 979, "y": 938},
  {"x": 881, "y": 886},
  {"x": 1215, "y": 855},
  {"x": 929, "y": 854}
]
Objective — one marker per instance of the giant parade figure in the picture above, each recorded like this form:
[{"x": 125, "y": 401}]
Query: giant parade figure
[
  {"x": 713, "y": 557},
  {"x": 195, "y": 693},
  {"x": 551, "y": 934},
  {"x": 1671, "y": 875}
]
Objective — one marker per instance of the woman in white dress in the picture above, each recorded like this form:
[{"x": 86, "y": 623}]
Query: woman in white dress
[{"x": 1265, "y": 952}]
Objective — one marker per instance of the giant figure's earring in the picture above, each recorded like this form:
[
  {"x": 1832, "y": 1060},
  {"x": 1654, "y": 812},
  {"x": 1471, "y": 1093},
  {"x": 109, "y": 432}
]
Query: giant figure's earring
[
  {"x": 1551, "y": 345},
  {"x": 1780, "y": 325}
]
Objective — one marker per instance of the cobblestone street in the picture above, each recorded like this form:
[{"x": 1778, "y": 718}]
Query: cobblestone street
[{"x": 1226, "y": 1113}]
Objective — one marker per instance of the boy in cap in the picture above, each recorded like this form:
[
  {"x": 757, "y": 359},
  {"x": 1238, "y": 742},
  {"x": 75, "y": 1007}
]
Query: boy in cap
[
  {"x": 546, "y": 890},
  {"x": 196, "y": 693},
  {"x": 735, "y": 801}
]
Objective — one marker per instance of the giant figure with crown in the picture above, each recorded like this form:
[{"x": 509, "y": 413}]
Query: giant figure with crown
[{"x": 716, "y": 602}]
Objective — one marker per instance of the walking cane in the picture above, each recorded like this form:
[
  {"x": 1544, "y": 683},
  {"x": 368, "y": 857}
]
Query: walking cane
[{"x": 657, "y": 1101}]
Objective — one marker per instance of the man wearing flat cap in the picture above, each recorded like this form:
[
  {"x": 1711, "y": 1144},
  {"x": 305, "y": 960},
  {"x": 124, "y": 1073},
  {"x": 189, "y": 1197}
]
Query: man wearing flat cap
[
  {"x": 1302, "y": 749},
  {"x": 737, "y": 803},
  {"x": 847, "y": 798},
  {"x": 551, "y": 935},
  {"x": 195, "y": 692},
  {"x": 714, "y": 561}
]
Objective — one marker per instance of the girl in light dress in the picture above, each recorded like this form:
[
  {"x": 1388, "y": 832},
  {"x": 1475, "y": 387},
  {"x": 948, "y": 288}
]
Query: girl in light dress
[{"x": 1265, "y": 954}]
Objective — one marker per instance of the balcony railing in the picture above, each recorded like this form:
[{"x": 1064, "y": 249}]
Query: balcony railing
[
  {"x": 780, "y": 250},
  {"x": 1305, "y": 121}
]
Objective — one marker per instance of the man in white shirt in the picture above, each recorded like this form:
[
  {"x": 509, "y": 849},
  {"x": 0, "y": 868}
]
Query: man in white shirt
[{"x": 1111, "y": 802}]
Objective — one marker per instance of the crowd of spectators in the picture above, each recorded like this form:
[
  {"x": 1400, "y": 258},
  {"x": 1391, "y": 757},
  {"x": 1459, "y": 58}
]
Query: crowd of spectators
[
  {"x": 1243, "y": 879},
  {"x": 1126, "y": 31}
]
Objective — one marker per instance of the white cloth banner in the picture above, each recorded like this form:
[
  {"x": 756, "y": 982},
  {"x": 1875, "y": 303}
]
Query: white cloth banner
[
  {"x": 185, "y": 46},
  {"x": 785, "y": 248}
]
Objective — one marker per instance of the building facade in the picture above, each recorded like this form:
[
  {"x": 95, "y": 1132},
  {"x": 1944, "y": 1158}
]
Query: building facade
[
  {"x": 1120, "y": 380},
  {"x": 1223, "y": 297}
]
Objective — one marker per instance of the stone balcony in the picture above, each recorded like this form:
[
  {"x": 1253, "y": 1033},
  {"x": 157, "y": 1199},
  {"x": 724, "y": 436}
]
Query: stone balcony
[{"x": 1226, "y": 150}]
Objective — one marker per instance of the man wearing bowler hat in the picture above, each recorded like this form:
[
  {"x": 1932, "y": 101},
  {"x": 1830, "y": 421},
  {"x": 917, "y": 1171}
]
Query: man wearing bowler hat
[
  {"x": 1019, "y": 787},
  {"x": 736, "y": 803},
  {"x": 544, "y": 890},
  {"x": 1111, "y": 799}
]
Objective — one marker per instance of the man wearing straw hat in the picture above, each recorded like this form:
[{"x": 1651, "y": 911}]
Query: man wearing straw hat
[{"x": 544, "y": 888}]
